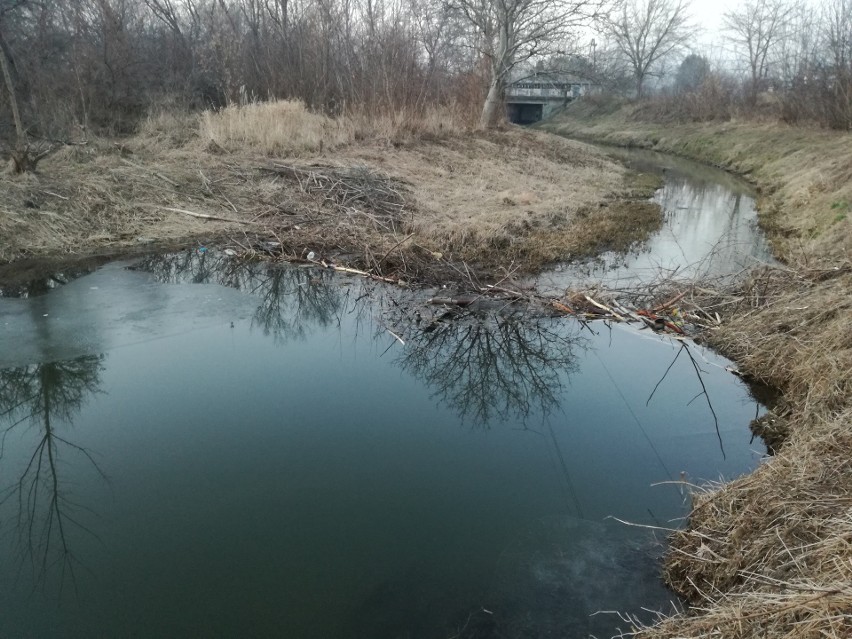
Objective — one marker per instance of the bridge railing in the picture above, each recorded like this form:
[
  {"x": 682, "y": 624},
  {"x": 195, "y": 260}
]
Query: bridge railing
[{"x": 550, "y": 92}]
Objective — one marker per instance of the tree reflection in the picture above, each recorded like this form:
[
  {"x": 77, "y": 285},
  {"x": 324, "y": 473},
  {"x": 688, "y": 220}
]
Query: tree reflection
[
  {"x": 290, "y": 299},
  {"x": 37, "y": 399},
  {"x": 483, "y": 364},
  {"x": 39, "y": 279},
  {"x": 493, "y": 365}
]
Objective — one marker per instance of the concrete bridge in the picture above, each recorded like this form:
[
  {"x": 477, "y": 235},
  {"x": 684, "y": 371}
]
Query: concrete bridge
[{"x": 535, "y": 97}]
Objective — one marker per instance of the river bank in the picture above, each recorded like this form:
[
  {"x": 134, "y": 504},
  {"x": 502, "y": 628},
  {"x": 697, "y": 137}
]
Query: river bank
[
  {"x": 768, "y": 555},
  {"x": 401, "y": 203}
]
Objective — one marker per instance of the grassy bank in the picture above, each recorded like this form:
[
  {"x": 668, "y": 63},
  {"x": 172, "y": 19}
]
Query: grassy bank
[
  {"x": 400, "y": 195},
  {"x": 770, "y": 555}
]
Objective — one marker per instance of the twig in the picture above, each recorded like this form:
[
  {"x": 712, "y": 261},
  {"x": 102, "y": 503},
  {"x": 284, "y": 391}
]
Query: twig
[
  {"x": 393, "y": 248},
  {"x": 205, "y": 216},
  {"x": 61, "y": 197},
  {"x": 605, "y": 308}
]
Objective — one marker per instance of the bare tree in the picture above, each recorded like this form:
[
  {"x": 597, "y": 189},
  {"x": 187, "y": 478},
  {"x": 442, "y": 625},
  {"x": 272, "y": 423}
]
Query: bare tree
[
  {"x": 21, "y": 158},
  {"x": 648, "y": 31},
  {"x": 830, "y": 77},
  {"x": 509, "y": 32},
  {"x": 756, "y": 27}
]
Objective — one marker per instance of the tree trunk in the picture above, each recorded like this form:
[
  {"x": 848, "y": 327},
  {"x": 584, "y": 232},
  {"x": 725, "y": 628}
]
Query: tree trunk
[
  {"x": 21, "y": 160},
  {"x": 492, "y": 109},
  {"x": 493, "y": 112}
]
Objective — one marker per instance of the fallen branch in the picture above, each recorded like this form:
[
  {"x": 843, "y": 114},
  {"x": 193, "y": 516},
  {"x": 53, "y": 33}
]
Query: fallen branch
[
  {"x": 205, "y": 216},
  {"x": 604, "y": 307},
  {"x": 671, "y": 302},
  {"x": 355, "y": 271}
]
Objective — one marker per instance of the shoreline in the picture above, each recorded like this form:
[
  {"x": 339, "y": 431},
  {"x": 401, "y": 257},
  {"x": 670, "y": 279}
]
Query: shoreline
[
  {"x": 411, "y": 209},
  {"x": 763, "y": 556}
]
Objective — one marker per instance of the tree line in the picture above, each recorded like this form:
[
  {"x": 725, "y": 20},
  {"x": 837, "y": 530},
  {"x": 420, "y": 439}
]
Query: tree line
[
  {"x": 782, "y": 58},
  {"x": 70, "y": 66}
]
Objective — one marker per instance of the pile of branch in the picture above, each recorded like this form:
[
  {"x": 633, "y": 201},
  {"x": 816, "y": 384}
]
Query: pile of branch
[
  {"x": 580, "y": 304},
  {"x": 354, "y": 191}
]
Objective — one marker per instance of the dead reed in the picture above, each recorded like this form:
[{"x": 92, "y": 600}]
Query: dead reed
[
  {"x": 274, "y": 128},
  {"x": 287, "y": 127},
  {"x": 770, "y": 555}
]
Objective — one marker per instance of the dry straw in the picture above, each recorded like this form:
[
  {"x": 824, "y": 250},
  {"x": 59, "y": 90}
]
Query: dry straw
[{"x": 357, "y": 184}]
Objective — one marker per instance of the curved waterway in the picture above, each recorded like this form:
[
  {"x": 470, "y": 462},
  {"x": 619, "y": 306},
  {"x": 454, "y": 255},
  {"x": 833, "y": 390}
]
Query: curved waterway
[
  {"x": 709, "y": 230},
  {"x": 192, "y": 446}
]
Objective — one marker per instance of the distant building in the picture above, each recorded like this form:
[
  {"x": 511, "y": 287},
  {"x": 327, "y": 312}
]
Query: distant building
[{"x": 534, "y": 97}]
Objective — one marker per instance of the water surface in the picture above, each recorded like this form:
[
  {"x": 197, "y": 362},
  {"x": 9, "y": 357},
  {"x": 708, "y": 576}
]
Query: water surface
[
  {"x": 709, "y": 230},
  {"x": 199, "y": 447}
]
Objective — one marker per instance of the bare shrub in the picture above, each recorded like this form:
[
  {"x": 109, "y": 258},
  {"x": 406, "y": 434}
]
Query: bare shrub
[{"x": 716, "y": 99}]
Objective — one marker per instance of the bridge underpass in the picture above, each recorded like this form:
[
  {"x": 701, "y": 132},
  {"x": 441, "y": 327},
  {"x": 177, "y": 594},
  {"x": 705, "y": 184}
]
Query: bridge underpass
[
  {"x": 536, "y": 98},
  {"x": 528, "y": 112}
]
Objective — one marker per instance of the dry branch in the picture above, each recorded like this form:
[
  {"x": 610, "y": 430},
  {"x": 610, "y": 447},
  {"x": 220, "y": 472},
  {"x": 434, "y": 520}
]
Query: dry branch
[{"x": 205, "y": 216}]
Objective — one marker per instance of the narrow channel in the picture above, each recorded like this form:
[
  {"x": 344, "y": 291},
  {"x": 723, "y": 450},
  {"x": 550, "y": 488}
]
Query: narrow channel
[{"x": 709, "y": 230}]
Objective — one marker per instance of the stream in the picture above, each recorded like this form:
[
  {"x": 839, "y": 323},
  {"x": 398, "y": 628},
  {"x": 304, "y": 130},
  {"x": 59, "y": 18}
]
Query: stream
[
  {"x": 197, "y": 446},
  {"x": 709, "y": 230}
]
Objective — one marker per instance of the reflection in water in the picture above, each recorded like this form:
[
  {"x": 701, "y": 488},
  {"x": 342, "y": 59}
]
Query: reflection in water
[
  {"x": 492, "y": 365},
  {"x": 709, "y": 230},
  {"x": 40, "y": 279},
  {"x": 481, "y": 364},
  {"x": 292, "y": 300},
  {"x": 324, "y": 479},
  {"x": 39, "y": 399}
]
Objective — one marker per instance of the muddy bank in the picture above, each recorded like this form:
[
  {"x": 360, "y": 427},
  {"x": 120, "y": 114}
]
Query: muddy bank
[
  {"x": 766, "y": 556},
  {"x": 405, "y": 209}
]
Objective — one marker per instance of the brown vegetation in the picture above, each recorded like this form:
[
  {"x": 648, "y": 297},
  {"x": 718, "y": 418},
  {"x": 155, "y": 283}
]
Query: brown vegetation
[
  {"x": 393, "y": 195},
  {"x": 769, "y": 555}
]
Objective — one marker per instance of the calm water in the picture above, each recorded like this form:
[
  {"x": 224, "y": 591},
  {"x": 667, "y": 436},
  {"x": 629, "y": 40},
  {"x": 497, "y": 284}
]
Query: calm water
[
  {"x": 194, "y": 447},
  {"x": 709, "y": 229}
]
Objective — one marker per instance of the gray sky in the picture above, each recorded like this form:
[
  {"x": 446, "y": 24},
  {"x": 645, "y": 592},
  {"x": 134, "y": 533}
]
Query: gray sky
[{"x": 708, "y": 13}]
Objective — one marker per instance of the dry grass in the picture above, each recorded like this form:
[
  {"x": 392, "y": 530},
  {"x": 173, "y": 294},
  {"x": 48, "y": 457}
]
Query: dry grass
[
  {"x": 517, "y": 196},
  {"x": 286, "y": 127},
  {"x": 793, "y": 330},
  {"x": 88, "y": 198},
  {"x": 275, "y": 128},
  {"x": 512, "y": 196},
  {"x": 770, "y": 555}
]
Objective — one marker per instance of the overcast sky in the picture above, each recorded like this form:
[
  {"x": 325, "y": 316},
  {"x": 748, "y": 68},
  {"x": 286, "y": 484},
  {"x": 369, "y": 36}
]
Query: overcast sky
[{"x": 708, "y": 13}]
